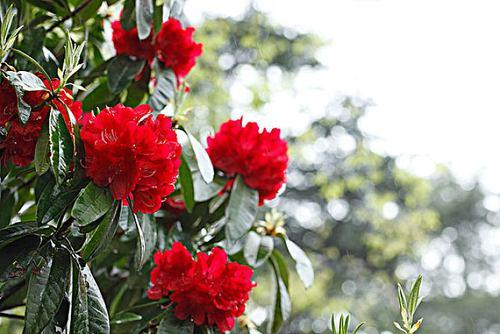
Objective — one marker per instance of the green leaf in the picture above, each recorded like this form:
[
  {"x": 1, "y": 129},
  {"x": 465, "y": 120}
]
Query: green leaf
[
  {"x": 204, "y": 191},
  {"x": 92, "y": 203},
  {"x": 257, "y": 248},
  {"x": 61, "y": 146},
  {"x": 140, "y": 258},
  {"x": 147, "y": 245},
  {"x": 42, "y": 163},
  {"x": 144, "y": 17},
  {"x": 124, "y": 317},
  {"x": 202, "y": 159},
  {"x": 46, "y": 289},
  {"x": 21, "y": 82},
  {"x": 101, "y": 237},
  {"x": 241, "y": 210},
  {"x": 164, "y": 92},
  {"x": 53, "y": 202},
  {"x": 89, "y": 314},
  {"x": 282, "y": 305},
  {"x": 186, "y": 181},
  {"x": 171, "y": 325},
  {"x": 15, "y": 254},
  {"x": 121, "y": 71},
  {"x": 413, "y": 298},
  {"x": 7, "y": 202},
  {"x": 90, "y": 10},
  {"x": 128, "y": 19},
  {"x": 302, "y": 263},
  {"x": 12, "y": 232},
  {"x": 25, "y": 81}
]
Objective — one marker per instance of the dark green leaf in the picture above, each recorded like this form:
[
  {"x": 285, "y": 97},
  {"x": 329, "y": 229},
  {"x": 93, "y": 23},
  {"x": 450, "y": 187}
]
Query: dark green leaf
[
  {"x": 171, "y": 325},
  {"x": 92, "y": 203},
  {"x": 89, "y": 314},
  {"x": 186, "y": 181},
  {"x": 140, "y": 257},
  {"x": 157, "y": 17},
  {"x": 144, "y": 17},
  {"x": 90, "y": 10},
  {"x": 282, "y": 305},
  {"x": 166, "y": 84},
  {"x": 241, "y": 210},
  {"x": 46, "y": 290},
  {"x": 42, "y": 163},
  {"x": 302, "y": 263},
  {"x": 61, "y": 145},
  {"x": 121, "y": 71},
  {"x": 128, "y": 20},
  {"x": 15, "y": 254},
  {"x": 149, "y": 233},
  {"x": 54, "y": 201},
  {"x": 101, "y": 237},
  {"x": 12, "y": 232},
  {"x": 7, "y": 201}
]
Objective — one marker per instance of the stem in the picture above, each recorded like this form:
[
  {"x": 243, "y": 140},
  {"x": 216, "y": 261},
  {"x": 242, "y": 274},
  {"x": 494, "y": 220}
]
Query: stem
[
  {"x": 34, "y": 62},
  {"x": 11, "y": 316},
  {"x": 70, "y": 15}
]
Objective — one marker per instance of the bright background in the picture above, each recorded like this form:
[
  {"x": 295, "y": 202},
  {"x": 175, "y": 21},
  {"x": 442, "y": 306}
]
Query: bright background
[{"x": 431, "y": 68}]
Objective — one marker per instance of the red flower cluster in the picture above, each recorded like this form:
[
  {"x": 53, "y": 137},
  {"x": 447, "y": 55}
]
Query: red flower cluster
[
  {"x": 20, "y": 142},
  {"x": 132, "y": 153},
  {"x": 174, "y": 46},
  {"x": 209, "y": 290},
  {"x": 259, "y": 157}
]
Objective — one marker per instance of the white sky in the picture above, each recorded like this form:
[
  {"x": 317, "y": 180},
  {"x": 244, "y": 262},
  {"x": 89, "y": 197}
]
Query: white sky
[{"x": 432, "y": 68}]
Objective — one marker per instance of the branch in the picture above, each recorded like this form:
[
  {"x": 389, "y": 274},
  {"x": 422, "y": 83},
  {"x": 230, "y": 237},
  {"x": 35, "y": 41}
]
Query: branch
[
  {"x": 70, "y": 15},
  {"x": 11, "y": 316}
]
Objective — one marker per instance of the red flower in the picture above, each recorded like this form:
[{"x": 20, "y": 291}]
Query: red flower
[
  {"x": 259, "y": 157},
  {"x": 175, "y": 47},
  {"x": 8, "y": 102},
  {"x": 209, "y": 290},
  {"x": 127, "y": 42},
  {"x": 20, "y": 142},
  {"x": 132, "y": 153}
]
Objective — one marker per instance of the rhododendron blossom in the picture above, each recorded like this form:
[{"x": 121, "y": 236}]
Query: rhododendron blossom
[
  {"x": 173, "y": 46},
  {"x": 260, "y": 157},
  {"x": 209, "y": 291},
  {"x": 20, "y": 142},
  {"x": 132, "y": 153}
]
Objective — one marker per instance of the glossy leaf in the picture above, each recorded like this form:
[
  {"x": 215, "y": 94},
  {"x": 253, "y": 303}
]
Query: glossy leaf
[
  {"x": 257, "y": 248},
  {"x": 46, "y": 289},
  {"x": 282, "y": 305},
  {"x": 147, "y": 244},
  {"x": 92, "y": 203},
  {"x": 186, "y": 181},
  {"x": 101, "y": 237},
  {"x": 164, "y": 92},
  {"x": 302, "y": 263},
  {"x": 61, "y": 146},
  {"x": 202, "y": 159},
  {"x": 171, "y": 325},
  {"x": 89, "y": 314},
  {"x": 42, "y": 163},
  {"x": 121, "y": 71},
  {"x": 144, "y": 17},
  {"x": 241, "y": 210},
  {"x": 12, "y": 232}
]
